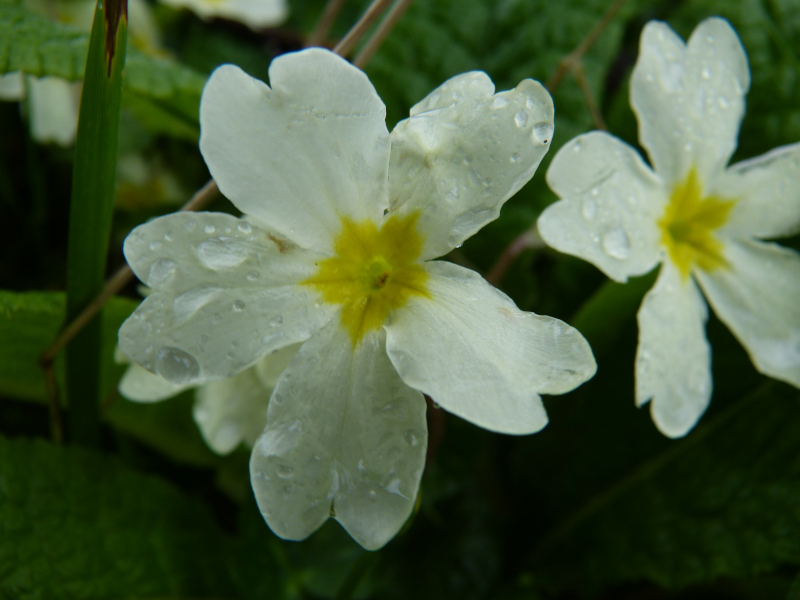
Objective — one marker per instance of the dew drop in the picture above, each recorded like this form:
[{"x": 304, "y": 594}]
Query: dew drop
[
  {"x": 373, "y": 495},
  {"x": 276, "y": 321},
  {"x": 203, "y": 339},
  {"x": 169, "y": 236},
  {"x": 616, "y": 243},
  {"x": 543, "y": 132},
  {"x": 705, "y": 73},
  {"x": 285, "y": 471},
  {"x": 176, "y": 365},
  {"x": 244, "y": 227},
  {"x": 589, "y": 209},
  {"x": 161, "y": 271},
  {"x": 411, "y": 438},
  {"x": 189, "y": 225},
  {"x": 238, "y": 305},
  {"x": 252, "y": 276},
  {"x": 723, "y": 102},
  {"x": 218, "y": 254},
  {"x": 521, "y": 118},
  {"x": 499, "y": 102},
  {"x": 515, "y": 157},
  {"x": 209, "y": 229},
  {"x": 155, "y": 245}
]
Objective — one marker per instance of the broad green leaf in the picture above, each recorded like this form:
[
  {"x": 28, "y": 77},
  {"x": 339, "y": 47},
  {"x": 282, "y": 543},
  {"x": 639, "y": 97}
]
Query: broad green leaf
[
  {"x": 723, "y": 502},
  {"x": 32, "y": 43},
  {"x": 80, "y": 526},
  {"x": 94, "y": 173}
]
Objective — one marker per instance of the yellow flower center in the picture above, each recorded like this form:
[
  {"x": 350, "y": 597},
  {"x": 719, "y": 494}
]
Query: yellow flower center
[
  {"x": 373, "y": 271},
  {"x": 688, "y": 225}
]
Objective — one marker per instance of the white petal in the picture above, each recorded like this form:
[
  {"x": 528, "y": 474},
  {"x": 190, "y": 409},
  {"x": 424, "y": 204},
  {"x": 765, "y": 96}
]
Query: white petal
[
  {"x": 270, "y": 368},
  {"x": 673, "y": 360},
  {"x": 231, "y": 411},
  {"x": 302, "y": 155},
  {"x": 140, "y": 385},
  {"x": 227, "y": 293},
  {"x": 53, "y": 104},
  {"x": 689, "y": 99},
  {"x": 477, "y": 355},
  {"x": 611, "y": 202},
  {"x": 11, "y": 87},
  {"x": 344, "y": 435},
  {"x": 464, "y": 152},
  {"x": 767, "y": 190},
  {"x": 758, "y": 298},
  {"x": 256, "y": 14}
]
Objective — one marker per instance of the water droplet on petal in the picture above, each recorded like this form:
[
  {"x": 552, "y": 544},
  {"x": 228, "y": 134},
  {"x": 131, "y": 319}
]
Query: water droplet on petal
[
  {"x": 244, "y": 227},
  {"x": 410, "y": 437},
  {"x": 521, "y": 118},
  {"x": 705, "y": 73},
  {"x": 252, "y": 276},
  {"x": 176, "y": 365},
  {"x": 189, "y": 225},
  {"x": 515, "y": 157},
  {"x": 276, "y": 321},
  {"x": 209, "y": 229},
  {"x": 589, "y": 209},
  {"x": 155, "y": 245},
  {"x": 616, "y": 243},
  {"x": 499, "y": 102},
  {"x": 161, "y": 271},
  {"x": 285, "y": 471},
  {"x": 238, "y": 305},
  {"x": 543, "y": 132},
  {"x": 169, "y": 236}
]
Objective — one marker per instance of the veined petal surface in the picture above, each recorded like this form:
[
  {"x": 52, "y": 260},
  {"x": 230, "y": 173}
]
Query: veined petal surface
[
  {"x": 140, "y": 385},
  {"x": 758, "y": 298},
  {"x": 344, "y": 436},
  {"x": 689, "y": 98},
  {"x": 673, "y": 359},
  {"x": 463, "y": 152},
  {"x": 478, "y": 356},
  {"x": 232, "y": 410},
  {"x": 767, "y": 194},
  {"x": 227, "y": 293},
  {"x": 304, "y": 154},
  {"x": 611, "y": 201}
]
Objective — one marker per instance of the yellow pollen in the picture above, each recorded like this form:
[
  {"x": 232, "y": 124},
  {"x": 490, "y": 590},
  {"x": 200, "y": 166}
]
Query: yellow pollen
[
  {"x": 373, "y": 271},
  {"x": 688, "y": 225}
]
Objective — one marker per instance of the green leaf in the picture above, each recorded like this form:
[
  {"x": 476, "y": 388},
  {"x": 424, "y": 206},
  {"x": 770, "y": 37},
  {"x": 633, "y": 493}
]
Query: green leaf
[
  {"x": 91, "y": 207},
  {"x": 81, "y": 526},
  {"x": 32, "y": 43},
  {"x": 724, "y": 501}
]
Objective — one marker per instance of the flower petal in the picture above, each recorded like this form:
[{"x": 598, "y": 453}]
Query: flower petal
[
  {"x": 464, "y": 152},
  {"x": 303, "y": 154},
  {"x": 256, "y": 14},
  {"x": 53, "y": 104},
  {"x": 344, "y": 436},
  {"x": 477, "y": 355},
  {"x": 140, "y": 385},
  {"x": 231, "y": 411},
  {"x": 767, "y": 190},
  {"x": 610, "y": 205},
  {"x": 11, "y": 87},
  {"x": 758, "y": 298},
  {"x": 673, "y": 360},
  {"x": 227, "y": 294},
  {"x": 689, "y": 99}
]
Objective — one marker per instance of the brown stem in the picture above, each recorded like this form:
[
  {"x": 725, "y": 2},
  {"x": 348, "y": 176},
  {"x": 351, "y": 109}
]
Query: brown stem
[
  {"x": 594, "y": 110},
  {"x": 528, "y": 239},
  {"x": 379, "y": 35},
  {"x": 323, "y": 26},
  {"x": 113, "y": 286},
  {"x": 372, "y": 14},
  {"x": 568, "y": 63}
]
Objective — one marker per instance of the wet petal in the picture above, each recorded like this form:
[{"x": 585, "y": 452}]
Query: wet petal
[
  {"x": 477, "y": 355},
  {"x": 140, "y": 385},
  {"x": 227, "y": 293},
  {"x": 344, "y": 436},
  {"x": 689, "y": 99},
  {"x": 303, "y": 154},
  {"x": 767, "y": 194},
  {"x": 673, "y": 360},
  {"x": 53, "y": 104},
  {"x": 465, "y": 151},
  {"x": 231, "y": 411},
  {"x": 256, "y": 14},
  {"x": 758, "y": 298},
  {"x": 610, "y": 204}
]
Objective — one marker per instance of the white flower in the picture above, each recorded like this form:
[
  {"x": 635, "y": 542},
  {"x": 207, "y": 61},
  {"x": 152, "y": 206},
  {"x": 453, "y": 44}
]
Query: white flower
[
  {"x": 342, "y": 223},
  {"x": 229, "y": 411},
  {"x": 696, "y": 217},
  {"x": 256, "y": 14}
]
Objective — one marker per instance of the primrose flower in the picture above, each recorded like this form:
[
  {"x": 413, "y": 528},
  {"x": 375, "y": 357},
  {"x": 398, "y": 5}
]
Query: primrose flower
[
  {"x": 342, "y": 221},
  {"x": 256, "y": 14},
  {"x": 227, "y": 412},
  {"x": 700, "y": 220}
]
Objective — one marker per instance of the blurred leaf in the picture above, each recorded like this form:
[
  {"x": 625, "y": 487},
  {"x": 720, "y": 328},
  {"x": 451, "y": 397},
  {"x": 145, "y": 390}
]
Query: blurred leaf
[
  {"x": 94, "y": 171},
  {"x": 794, "y": 591},
  {"x": 78, "y": 525},
  {"x": 725, "y": 501},
  {"x": 32, "y": 43}
]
